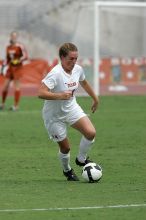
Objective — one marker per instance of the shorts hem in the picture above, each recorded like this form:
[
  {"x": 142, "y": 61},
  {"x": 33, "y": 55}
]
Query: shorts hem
[{"x": 78, "y": 119}]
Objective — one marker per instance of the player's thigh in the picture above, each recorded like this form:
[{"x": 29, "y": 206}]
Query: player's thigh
[
  {"x": 6, "y": 83},
  {"x": 85, "y": 126},
  {"x": 17, "y": 84},
  {"x": 17, "y": 74}
]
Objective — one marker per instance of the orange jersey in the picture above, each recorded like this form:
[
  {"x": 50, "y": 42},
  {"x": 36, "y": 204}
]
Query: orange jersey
[{"x": 15, "y": 54}]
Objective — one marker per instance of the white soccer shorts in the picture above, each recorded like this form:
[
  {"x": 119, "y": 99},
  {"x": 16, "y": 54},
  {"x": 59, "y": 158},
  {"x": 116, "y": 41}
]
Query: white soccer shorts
[{"x": 57, "y": 127}]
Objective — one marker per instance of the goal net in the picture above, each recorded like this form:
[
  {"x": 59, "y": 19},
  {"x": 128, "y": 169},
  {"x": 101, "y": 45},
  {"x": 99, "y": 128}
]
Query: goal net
[{"x": 119, "y": 53}]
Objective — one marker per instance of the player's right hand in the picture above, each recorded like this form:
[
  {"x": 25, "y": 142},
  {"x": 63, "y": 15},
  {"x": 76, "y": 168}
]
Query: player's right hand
[
  {"x": 66, "y": 95},
  {"x": 3, "y": 70}
]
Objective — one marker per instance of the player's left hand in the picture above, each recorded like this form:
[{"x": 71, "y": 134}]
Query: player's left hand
[{"x": 94, "y": 106}]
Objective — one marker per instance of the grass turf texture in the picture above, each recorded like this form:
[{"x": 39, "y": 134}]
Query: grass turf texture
[{"x": 31, "y": 176}]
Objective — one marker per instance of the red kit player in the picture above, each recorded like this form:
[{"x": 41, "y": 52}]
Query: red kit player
[{"x": 15, "y": 56}]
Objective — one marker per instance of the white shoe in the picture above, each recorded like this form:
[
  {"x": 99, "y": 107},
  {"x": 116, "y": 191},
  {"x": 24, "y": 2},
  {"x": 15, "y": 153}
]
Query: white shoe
[
  {"x": 13, "y": 108},
  {"x": 2, "y": 107}
]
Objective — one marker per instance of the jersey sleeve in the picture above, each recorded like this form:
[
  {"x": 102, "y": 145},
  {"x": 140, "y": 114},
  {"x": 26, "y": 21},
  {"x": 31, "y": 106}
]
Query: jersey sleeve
[
  {"x": 50, "y": 80},
  {"x": 82, "y": 75}
]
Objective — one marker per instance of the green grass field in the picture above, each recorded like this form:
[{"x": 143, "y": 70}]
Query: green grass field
[{"x": 31, "y": 176}]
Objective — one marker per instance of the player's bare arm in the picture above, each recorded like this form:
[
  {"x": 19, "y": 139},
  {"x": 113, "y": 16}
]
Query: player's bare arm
[
  {"x": 45, "y": 93},
  {"x": 86, "y": 86}
]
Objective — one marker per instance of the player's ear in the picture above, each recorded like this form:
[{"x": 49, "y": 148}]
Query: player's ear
[{"x": 62, "y": 57}]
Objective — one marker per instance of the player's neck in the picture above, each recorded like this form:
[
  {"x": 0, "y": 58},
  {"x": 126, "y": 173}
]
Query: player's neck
[{"x": 67, "y": 70}]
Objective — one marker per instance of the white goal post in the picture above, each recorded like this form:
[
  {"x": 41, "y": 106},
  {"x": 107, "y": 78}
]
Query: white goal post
[{"x": 97, "y": 5}]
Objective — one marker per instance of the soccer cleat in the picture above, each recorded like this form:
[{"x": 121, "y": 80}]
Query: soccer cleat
[
  {"x": 83, "y": 163},
  {"x": 1, "y": 107},
  {"x": 71, "y": 176},
  {"x": 13, "y": 108}
]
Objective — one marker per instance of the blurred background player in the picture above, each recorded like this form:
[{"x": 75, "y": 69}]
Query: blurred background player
[
  {"x": 60, "y": 108},
  {"x": 15, "y": 56}
]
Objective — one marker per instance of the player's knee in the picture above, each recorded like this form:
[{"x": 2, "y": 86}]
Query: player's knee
[{"x": 91, "y": 134}]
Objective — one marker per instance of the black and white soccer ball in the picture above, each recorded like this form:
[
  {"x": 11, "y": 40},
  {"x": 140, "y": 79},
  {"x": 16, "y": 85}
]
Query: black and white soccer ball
[{"x": 92, "y": 172}]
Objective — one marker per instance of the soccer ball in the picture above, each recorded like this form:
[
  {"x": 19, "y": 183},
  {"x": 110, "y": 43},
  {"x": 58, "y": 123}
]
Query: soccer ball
[{"x": 92, "y": 172}]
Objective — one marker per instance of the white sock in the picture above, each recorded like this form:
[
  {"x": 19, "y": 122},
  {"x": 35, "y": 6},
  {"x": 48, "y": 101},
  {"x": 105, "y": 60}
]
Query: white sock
[
  {"x": 85, "y": 146},
  {"x": 65, "y": 161}
]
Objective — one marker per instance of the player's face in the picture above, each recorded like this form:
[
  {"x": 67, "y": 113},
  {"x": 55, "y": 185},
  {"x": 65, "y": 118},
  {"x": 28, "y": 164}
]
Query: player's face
[
  {"x": 69, "y": 61},
  {"x": 13, "y": 37}
]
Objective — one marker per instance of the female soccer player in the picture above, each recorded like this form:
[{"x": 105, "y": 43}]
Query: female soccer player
[
  {"x": 15, "y": 56},
  {"x": 60, "y": 108}
]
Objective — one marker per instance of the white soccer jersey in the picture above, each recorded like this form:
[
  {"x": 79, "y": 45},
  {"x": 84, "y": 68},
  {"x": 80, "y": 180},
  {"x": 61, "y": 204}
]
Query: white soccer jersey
[{"x": 59, "y": 81}]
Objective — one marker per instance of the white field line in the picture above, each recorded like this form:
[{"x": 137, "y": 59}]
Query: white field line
[{"x": 75, "y": 208}]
